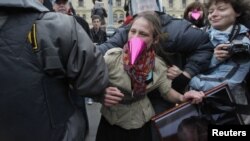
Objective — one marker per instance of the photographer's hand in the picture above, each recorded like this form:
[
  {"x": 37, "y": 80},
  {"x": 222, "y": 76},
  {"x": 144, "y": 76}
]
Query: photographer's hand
[{"x": 221, "y": 52}]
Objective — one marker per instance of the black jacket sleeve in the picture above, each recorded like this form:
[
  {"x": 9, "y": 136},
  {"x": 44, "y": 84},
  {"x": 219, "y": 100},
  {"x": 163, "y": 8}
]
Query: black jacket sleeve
[
  {"x": 70, "y": 53},
  {"x": 198, "y": 50},
  {"x": 86, "y": 66},
  {"x": 190, "y": 42}
]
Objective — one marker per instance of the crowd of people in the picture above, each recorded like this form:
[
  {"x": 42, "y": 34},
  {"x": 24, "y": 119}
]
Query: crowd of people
[{"x": 51, "y": 61}]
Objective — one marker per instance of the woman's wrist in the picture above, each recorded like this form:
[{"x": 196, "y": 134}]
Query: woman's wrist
[{"x": 181, "y": 99}]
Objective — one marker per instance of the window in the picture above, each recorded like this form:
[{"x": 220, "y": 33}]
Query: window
[
  {"x": 84, "y": 16},
  {"x": 170, "y": 3},
  {"x": 80, "y": 3},
  {"x": 118, "y": 3},
  {"x": 121, "y": 17},
  {"x": 115, "y": 17},
  {"x": 184, "y": 3}
]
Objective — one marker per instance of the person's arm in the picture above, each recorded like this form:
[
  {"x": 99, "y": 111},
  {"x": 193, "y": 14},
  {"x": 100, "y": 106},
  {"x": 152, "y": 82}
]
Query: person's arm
[
  {"x": 84, "y": 64},
  {"x": 198, "y": 60},
  {"x": 192, "y": 43},
  {"x": 169, "y": 93},
  {"x": 117, "y": 40},
  {"x": 195, "y": 96},
  {"x": 112, "y": 96},
  {"x": 198, "y": 49},
  {"x": 70, "y": 54},
  {"x": 86, "y": 68}
]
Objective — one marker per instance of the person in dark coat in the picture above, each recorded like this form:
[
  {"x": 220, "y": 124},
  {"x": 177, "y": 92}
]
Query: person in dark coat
[
  {"x": 99, "y": 11},
  {"x": 97, "y": 35},
  {"x": 39, "y": 68}
]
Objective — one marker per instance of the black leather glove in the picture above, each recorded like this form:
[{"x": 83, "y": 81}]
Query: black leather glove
[{"x": 180, "y": 83}]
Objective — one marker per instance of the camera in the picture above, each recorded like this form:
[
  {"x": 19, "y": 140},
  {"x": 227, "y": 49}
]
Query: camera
[{"x": 239, "y": 47}]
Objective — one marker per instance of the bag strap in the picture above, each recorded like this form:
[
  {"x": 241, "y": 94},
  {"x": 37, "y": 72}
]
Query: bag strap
[
  {"x": 235, "y": 31},
  {"x": 220, "y": 79}
]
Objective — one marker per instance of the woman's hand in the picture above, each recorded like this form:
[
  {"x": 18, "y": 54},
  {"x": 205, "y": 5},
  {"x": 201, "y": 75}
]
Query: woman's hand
[
  {"x": 112, "y": 97},
  {"x": 173, "y": 72},
  {"x": 221, "y": 52},
  {"x": 195, "y": 96}
]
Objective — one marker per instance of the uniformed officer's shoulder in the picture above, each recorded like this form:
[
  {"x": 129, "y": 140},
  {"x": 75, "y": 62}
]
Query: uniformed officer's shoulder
[
  {"x": 59, "y": 24},
  {"x": 57, "y": 18}
]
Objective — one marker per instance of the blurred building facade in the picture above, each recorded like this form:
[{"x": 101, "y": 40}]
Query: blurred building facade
[{"x": 83, "y": 8}]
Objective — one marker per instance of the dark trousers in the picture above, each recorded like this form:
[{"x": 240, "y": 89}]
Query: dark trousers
[
  {"x": 108, "y": 132},
  {"x": 160, "y": 105}
]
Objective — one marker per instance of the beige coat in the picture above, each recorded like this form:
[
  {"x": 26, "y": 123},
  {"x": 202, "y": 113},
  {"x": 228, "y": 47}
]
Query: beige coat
[{"x": 136, "y": 114}]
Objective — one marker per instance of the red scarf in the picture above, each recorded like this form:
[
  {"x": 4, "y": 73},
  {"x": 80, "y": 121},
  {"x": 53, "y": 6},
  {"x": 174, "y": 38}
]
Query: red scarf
[{"x": 139, "y": 71}]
